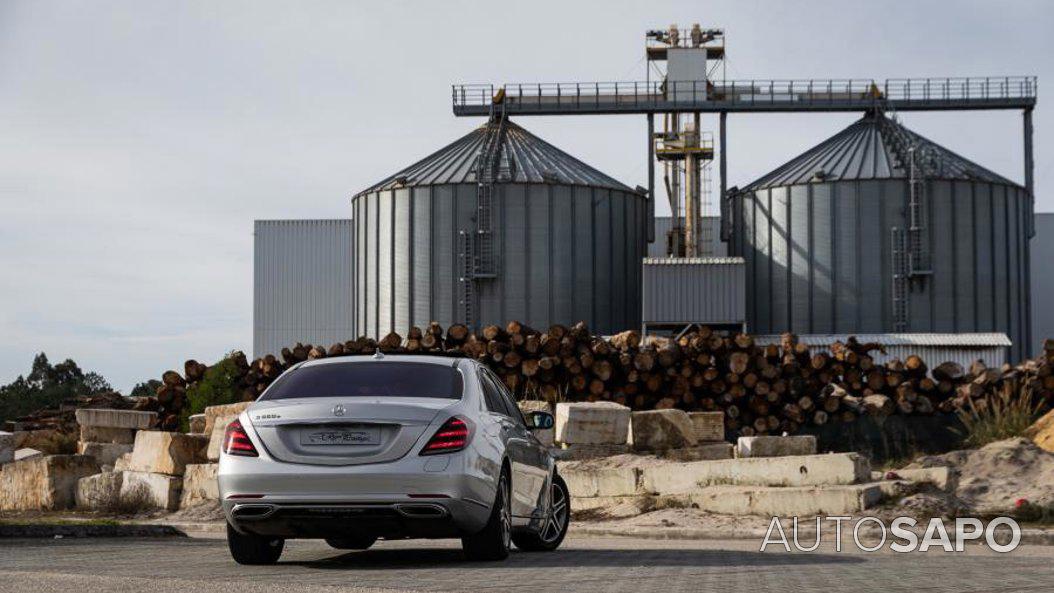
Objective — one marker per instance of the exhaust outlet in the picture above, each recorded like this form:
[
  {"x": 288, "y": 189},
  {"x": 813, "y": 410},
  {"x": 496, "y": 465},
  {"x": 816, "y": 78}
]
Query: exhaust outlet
[
  {"x": 252, "y": 512},
  {"x": 421, "y": 511}
]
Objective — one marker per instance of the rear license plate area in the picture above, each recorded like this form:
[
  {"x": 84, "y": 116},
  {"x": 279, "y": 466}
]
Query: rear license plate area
[{"x": 340, "y": 436}]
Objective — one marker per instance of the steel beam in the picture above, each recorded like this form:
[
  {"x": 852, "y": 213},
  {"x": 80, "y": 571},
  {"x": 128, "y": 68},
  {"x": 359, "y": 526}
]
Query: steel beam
[{"x": 651, "y": 177}]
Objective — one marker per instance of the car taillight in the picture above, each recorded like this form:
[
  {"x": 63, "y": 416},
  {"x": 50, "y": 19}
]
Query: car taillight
[
  {"x": 452, "y": 436},
  {"x": 236, "y": 441}
]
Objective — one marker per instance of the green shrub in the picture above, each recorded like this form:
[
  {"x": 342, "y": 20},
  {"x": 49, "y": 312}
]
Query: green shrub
[
  {"x": 220, "y": 385},
  {"x": 1004, "y": 415}
]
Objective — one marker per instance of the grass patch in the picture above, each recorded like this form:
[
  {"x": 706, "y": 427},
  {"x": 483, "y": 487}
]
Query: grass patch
[{"x": 1004, "y": 415}]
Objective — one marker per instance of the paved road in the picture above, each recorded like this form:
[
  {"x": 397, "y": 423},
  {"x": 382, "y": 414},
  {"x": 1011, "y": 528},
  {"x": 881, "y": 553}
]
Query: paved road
[{"x": 612, "y": 565}]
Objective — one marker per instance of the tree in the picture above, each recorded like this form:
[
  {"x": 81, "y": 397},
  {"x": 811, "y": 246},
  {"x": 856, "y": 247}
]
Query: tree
[
  {"x": 145, "y": 388},
  {"x": 47, "y": 385}
]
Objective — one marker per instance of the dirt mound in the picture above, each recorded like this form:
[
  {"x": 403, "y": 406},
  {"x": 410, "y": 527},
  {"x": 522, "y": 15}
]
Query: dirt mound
[{"x": 991, "y": 479}]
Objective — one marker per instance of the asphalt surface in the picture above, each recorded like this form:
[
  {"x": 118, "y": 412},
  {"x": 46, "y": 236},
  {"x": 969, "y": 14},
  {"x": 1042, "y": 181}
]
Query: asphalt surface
[{"x": 607, "y": 565}]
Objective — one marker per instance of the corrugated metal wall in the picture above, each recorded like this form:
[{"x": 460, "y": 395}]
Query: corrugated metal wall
[
  {"x": 1042, "y": 254},
  {"x": 992, "y": 349},
  {"x": 819, "y": 258},
  {"x": 302, "y": 283},
  {"x": 694, "y": 290},
  {"x": 566, "y": 253}
]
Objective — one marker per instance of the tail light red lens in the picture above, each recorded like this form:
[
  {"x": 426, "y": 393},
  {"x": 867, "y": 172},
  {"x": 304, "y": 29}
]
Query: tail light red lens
[
  {"x": 236, "y": 441},
  {"x": 452, "y": 436}
]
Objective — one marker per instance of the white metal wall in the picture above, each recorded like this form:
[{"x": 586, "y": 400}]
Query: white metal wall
[
  {"x": 934, "y": 349},
  {"x": 302, "y": 283}
]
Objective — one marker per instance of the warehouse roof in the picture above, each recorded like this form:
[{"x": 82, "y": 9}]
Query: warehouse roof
[
  {"x": 870, "y": 148},
  {"x": 527, "y": 159}
]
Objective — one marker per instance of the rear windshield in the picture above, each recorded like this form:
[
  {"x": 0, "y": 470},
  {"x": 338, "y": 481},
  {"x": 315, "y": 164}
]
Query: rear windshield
[{"x": 368, "y": 379}]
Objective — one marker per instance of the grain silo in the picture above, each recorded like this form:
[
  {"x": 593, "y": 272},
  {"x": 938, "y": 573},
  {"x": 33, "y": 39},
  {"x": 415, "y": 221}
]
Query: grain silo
[
  {"x": 538, "y": 236},
  {"x": 878, "y": 230}
]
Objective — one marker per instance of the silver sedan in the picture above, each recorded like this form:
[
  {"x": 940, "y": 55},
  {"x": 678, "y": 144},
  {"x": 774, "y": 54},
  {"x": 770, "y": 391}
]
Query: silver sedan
[{"x": 354, "y": 449}]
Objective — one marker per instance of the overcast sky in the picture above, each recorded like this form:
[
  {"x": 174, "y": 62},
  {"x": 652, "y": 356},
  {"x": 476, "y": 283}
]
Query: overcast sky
[{"x": 140, "y": 139}]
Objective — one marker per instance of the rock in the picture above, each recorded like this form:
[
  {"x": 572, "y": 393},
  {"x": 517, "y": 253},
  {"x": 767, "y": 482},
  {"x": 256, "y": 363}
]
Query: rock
[
  {"x": 1042, "y": 432},
  {"x": 216, "y": 420},
  {"x": 199, "y": 485},
  {"x": 27, "y": 453},
  {"x": 620, "y": 481},
  {"x": 702, "y": 452},
  {"x": 586, "y": 451},
  {"x": 165, "y": 452},
  {"x": 940, "y": 477},
  {"x": 123, "y": 463},
  {"x": 527, "y": 406},
  {"x": 116, "y": 418},
  {"x": 592, "y": 423},
  {"x": 661, "y": 430},
  {"x": 197, "y": 424},
  {"x": 230, "y": 411},
  {"x": 104, "y": 434},
  {"x": 98, "y": 492},
  {"x": 835, "y": 469},
  {"x": 709, "y": 426},
  {"x": 775, "y": 446},
  {"x": 43, "y": 483},
  {"x": 7, "y": 447},
  {"x": 150, "y": 491},
  {"x": 104, "y": 453},
  {"x": 41, "y": 440}
]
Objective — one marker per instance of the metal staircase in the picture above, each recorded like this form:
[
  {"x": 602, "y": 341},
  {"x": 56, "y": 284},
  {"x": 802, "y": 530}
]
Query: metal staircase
[{"x": 477, "y": 259}]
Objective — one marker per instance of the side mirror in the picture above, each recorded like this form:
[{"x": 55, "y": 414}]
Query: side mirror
[{"x": 540, "y": 420}]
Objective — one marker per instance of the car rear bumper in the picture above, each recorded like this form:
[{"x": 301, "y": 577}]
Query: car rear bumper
[{"x": 436, "y": 496}]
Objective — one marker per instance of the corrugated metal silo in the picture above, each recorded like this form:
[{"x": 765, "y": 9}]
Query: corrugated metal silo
[
  {"x": 823, "y": 255},
  {"x": 568, "y": 240}
]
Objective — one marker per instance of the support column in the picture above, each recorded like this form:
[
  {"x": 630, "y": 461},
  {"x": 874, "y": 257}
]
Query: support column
[
  {"x": 1030, "y": 166},
  {"x": 651, "y": 178},
  {"x": 723, "y": 171}
]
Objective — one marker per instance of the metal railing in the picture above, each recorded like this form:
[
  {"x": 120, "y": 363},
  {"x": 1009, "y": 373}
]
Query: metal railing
[{"x": 746, "y": 93}]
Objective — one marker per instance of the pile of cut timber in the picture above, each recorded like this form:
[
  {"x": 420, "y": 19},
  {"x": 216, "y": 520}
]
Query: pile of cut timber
[{"x": 761, "y": 389}]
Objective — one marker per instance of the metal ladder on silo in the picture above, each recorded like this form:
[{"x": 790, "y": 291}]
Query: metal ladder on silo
[
  {"x": 900, "y": 275},
  {"x": 466, "y": 278},
  {"x": 488, "y": 164},
  {"x": 913, "y": 156}
]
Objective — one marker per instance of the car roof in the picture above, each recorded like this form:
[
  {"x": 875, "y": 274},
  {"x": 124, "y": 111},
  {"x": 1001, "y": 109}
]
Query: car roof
[{"x": 449, "y": 361}]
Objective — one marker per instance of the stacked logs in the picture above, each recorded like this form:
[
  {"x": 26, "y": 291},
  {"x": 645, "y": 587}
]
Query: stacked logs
[{"x": 762, "y": 389}]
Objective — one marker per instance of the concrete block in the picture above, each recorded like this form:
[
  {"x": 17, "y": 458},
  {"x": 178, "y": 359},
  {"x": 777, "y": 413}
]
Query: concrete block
[
  {"x": 197, "y": 424},
  {"x": 805, "y": 470},
  {"x": 230, "y": 411},
  {"x": 785, "y": 502},
  {"x": 592, "y": 423},
  {"x": 123, "y": 463},
  {"x": 775, "y": 446},
  {"x": 99, "y": 491},
  {"x": 43, "y": 483},
  {"x": 582, "y": 451},
  {"x": 709, "y": 426},
  {"x": 133, "y": 419},
  {"x": 199, "y": 485},
  {"x": 661, "y": 430},
  {"x": 547, "y": 436},
  {"x": 27, "y": 453},
  {"x": 104, "y": 453},
  {"x": 151, "y": 490},
  {"x": 105, "y": 434},
  {"x": 703, "y": 452},
  {"x": 7, "y": 447},
  {"x": 165, "y": 452},
  {"x": 601, "y": 482}
]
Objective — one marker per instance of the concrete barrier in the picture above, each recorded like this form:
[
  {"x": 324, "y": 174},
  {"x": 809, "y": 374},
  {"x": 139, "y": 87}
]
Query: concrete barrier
[
  {"x": 164, "y": 452},
  {"x": 661, "y": 430},
  {"x": 601, "y": 482},
  {"x": 152, "y": 490},
  {"x": 116, "y": 418},
  {"x": 805, "y": 470},
  {"x": 775, "y": 446},
  {"x": 592, "y": 423},
  {"x": 786, "y": 502}
]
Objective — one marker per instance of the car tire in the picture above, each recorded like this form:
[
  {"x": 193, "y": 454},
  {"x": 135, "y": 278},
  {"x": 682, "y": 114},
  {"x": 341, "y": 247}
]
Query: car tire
[
  {"x": 253, "y": 549},
  {"x": 494, "y": 541},
  {"x": 354, "y": 542},
  {"x": 557, "y": 520}
]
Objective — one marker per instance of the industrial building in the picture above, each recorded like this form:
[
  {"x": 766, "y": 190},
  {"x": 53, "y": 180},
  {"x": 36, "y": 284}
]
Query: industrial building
[{"x": 874, "y": 231}]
